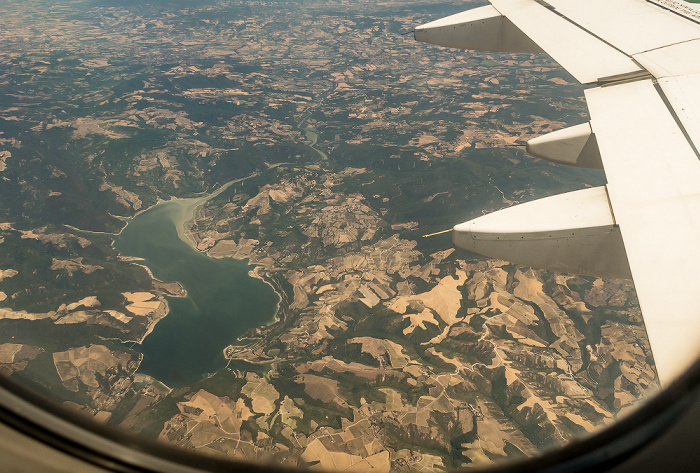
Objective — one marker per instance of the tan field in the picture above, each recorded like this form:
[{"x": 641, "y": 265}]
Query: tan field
[
  {"x": 8, "y": 352},
  {"x": 141, "y": 303},
  {"x": 261, "y": 393},
  {"x": 444, "y": 300},
  {"x": 21, "y": 314},
  {"x": 379, "y": 348},
  {"x": 79, "y": 365},
  {"x": 346, "y": 462}
]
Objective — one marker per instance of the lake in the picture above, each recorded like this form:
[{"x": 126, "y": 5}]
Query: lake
[{"x": 222, "y": 301}]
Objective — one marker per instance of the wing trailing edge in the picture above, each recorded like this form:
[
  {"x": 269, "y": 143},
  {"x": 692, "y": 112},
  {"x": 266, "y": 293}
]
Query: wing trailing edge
[
  {"x": 573, "y": 232},
  {"x": 483, "y": 29},
  {"x": 586, "y": 57}
]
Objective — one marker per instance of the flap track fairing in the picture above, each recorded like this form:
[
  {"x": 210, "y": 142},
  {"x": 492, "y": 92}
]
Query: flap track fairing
[{"x": 574, "y": 146}]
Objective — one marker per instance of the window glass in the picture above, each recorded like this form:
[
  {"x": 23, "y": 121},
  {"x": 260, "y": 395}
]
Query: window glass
[{"x": 212, "y": 233}]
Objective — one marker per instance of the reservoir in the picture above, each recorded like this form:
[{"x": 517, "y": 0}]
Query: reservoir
[{"x": 222, "y": 301}]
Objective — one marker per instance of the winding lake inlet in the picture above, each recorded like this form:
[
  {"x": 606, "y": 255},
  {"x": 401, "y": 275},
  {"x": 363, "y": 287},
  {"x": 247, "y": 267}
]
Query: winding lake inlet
[{"x": 222, "y": 301}]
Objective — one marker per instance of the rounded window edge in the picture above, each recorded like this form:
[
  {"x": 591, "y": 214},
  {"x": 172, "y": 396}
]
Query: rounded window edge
[{"x": 80, "y": 436}]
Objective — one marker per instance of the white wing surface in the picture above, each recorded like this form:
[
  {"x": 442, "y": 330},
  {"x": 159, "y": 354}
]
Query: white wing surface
[{"x": 641, "y": 60}]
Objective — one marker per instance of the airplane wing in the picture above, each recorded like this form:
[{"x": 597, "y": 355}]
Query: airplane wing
[{"x": 641, "y": 62}]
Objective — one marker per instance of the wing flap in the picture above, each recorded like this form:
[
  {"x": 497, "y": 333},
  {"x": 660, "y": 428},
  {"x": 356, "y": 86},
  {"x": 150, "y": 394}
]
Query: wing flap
[
  {"x": 683, "y": 94},
  {"x": 673, "y": 60},
  {"x": 527, "y": 26},
  {"x": 678, "y": 74},
  {"x": 633, "y": 26},
  {"x": 654, "y": 188},
  {"x": 482, "y": 29},
  {"x": 573, "y": 232},
  {"x": 584, "y": 56}
]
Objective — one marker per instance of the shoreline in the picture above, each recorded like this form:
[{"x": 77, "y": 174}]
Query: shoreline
[
  {"x": 188, "y": 208},
  {"x": 186, "y": 235},
  {"x": 138, "y": 262},
  {"x": 152, "y": 326},
  {"x": 255, "y": 273}
]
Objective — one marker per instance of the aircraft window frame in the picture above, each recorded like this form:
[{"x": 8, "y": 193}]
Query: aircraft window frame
[
  {"x": 105, "y": 446},
  {"x": 108, "y": 447}
]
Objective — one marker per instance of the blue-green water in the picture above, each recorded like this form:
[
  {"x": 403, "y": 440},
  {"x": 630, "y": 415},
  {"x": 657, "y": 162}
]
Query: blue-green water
[{"x": 222, "y": 301}]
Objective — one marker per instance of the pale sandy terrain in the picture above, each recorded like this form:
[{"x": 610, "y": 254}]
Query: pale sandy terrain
[
  {"x": 73, "y": 265},
  {"x": 89, "y": 126},
  {"x": 79, "y": 365},
  {"x": 290, "y": 413},
  {"x": 341, "y": 461},
  {"x": 212, "y": 424},
  {"x": 379, "y": 348},
  {"x": 339, "y": 366},
  {"x": 244, "y": 248},
  {"x": 8, "y": 352},
  {"x": 141, "y": 303},
  {"x": 21, "y": 314},
  {"x": 88, "y": 302},
  {"x": 4, "y": 155},
  {"x": 126, "y": 198},
  {"x": 261, "y": 393},
  {"x": 119, "y": 316},
  {"x": 7, "y": 273},
  {"x": 324, "y": 389},
  {"x": 15, "y": 357},
  {"x": 444, "y": 300},
  {"x": 75, "y": 317}
]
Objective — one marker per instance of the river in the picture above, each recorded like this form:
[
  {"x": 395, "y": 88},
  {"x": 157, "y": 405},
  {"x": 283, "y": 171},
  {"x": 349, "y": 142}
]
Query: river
[{"x": 222, "y": 301}]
